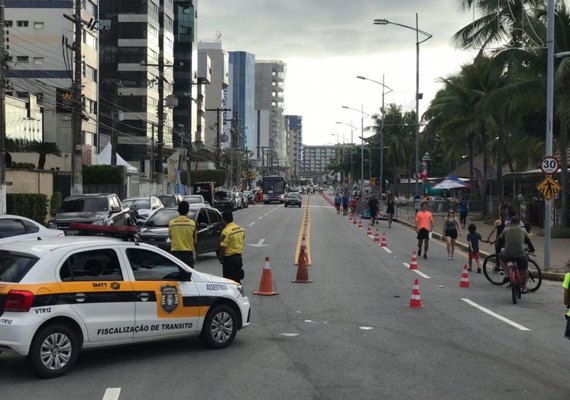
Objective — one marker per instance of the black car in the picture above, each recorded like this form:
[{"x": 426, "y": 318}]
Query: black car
[
  {"x": 293, "y": 199},
  {"x": 208, "y": 220},
  {"x": 98, "y": 209},
  {"x": 225, "y": 200}
]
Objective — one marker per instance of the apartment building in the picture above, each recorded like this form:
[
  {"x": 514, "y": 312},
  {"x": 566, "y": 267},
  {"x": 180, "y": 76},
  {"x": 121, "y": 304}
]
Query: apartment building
[
  {"x": 294, "y": 128},
  {"x": 316, "y": 161},
  {"x": 242, "y": 85},
  {"x": 39, "y": 43}
]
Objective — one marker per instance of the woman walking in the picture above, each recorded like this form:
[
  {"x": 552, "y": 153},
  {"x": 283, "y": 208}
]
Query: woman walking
[
  {"x": 390, "y": 211},
  {"x": 451, "y": 229}
]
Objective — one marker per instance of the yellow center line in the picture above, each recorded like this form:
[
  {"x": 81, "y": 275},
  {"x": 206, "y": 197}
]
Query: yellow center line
[{"x": 306, "y": 232}]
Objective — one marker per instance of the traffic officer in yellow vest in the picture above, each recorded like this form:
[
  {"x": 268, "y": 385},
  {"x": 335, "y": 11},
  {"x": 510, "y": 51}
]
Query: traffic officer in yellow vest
[
  {"x": 231, "y": 247},
  {"x": 182, "y": 234}
]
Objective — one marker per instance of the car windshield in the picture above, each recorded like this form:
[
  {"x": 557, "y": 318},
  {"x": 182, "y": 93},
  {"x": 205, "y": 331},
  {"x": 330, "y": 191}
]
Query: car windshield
[
  {"x": 294, "y": 194},
  {"x": 162, "y": 217},
  {"x": 88, "y": 204},
  {"x": 222, "y": 195},
  {"x": 168, "y": 201},
  {"x": 139, "y": 204},
  {"x": 193, "y": 199},
  {"x": 13, "y": 267}
]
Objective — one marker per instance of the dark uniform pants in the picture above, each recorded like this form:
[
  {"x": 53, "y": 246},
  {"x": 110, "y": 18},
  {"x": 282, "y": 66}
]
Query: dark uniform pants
[
  {"x": 232, "y": 267},
  {"x": 187, "y": 257}
]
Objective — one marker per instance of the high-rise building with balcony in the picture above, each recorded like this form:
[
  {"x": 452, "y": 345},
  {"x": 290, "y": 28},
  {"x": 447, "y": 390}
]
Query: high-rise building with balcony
[
  {"x": 242, "y": 84},
  {"x": 40, "y": 62},
  {"x": 294, "y": 127},
  {"x": 269, "y": 103}
]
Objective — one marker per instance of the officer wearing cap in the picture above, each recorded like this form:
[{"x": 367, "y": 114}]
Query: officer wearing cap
[
  {"x": 231, "y": 248},
  {"x": 182, "y": 234}
]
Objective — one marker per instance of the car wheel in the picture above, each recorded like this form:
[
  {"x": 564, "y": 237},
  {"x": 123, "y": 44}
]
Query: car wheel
[
  {"x": 220, "y": 327},
  {"x": 54, "y": 351}
]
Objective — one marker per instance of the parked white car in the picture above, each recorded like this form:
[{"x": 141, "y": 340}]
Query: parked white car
[{"x": 16, "y": 227}]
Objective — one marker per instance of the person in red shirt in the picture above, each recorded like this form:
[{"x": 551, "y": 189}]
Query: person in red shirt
[{"x": 424, "y": 225}]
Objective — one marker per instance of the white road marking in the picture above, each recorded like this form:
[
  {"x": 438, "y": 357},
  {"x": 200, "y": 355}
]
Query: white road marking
[
  {"x": 253, "y": 223},
  {"x": 417, "y": 271},
  {"x": 258, "y": 244},
  {"x": 289, "y": 334},
  {"x": 112, "y": 394},
  {"x": 261, "y": 217},
  {"x": 365, "y": 328},
  {"x": 387, "y": 250},
  {"x": 494, "y": 314}
]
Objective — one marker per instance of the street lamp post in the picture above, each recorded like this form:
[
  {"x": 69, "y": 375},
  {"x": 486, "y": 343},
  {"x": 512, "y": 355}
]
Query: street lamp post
[
  {"x": 385, "y": 90},
  {"x": 362, "y": 113},
  {"x": 418, "y": 94}
]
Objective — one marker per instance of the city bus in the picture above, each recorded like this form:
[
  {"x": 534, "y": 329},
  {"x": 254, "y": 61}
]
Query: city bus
[{"x": 273, "y": 189}]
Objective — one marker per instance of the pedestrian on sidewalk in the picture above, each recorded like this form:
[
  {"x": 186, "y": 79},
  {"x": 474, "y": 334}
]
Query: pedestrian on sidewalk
[
  {"x": 566, "y": 286},
  {"x": 473, "y": 239},
  {"x": 390, "y": 208},
  {"x": 424, "y": 226},
  {"x": 463, "y": 210},
  {"x": 451, "y": 230}
]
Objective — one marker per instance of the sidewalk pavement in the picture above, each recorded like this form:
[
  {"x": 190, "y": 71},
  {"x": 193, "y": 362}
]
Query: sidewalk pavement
[{"x": 559, "y": 254}]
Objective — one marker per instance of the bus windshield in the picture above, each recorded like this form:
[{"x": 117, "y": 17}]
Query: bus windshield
[{"x": 273, "y": 185}]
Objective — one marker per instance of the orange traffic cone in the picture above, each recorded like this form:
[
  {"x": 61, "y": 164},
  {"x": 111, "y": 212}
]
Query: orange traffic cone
[
  {"x": 302, "y": 271},
  {"x": 349, "y": 216},
  {"x": 369, "y": 230},
  {"x": 415, "y": 300},
  {"x": 354, "y": 220},
  {"x": 414, "y": 261},
  {"x": 266, "y": 287},
  {"x": 376, "y": 236},
  {"x": 464, "y": 283},
  {"x": 360, "y": 223},
  {"x": 383, "y": 242}
]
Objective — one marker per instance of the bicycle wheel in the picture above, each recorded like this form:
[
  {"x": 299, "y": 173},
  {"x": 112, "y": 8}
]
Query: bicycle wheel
[
  {"x": 534, "y": 276},
  {"x": 515, "y": 286},
  {"x": 492, "y": 270}
]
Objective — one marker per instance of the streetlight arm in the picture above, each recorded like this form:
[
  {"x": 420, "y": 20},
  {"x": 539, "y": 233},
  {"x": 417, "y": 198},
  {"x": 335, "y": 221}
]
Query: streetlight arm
[
  {"x": 386, "y": 22},
  {"x": 356, "y": 109},
  {"x": 388, "y": 89}
]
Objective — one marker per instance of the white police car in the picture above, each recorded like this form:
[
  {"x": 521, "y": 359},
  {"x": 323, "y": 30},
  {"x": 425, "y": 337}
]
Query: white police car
[{"x": 58, "y": 296}]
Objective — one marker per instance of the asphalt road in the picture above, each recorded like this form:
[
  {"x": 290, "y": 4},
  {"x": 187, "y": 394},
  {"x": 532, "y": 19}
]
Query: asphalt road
[{"x": 347, "y": 335}]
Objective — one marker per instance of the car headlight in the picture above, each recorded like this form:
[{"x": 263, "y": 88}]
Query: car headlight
[{"x": 240, "y": 290}]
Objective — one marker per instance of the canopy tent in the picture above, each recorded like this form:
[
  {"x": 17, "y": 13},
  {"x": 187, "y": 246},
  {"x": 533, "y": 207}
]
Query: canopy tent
[
  {"x": 104, "y": 158},
  {"x": 451, "y": 182}
]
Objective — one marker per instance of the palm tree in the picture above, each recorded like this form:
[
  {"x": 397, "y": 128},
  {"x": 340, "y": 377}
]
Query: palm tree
[{"x": 43, "y": 149}]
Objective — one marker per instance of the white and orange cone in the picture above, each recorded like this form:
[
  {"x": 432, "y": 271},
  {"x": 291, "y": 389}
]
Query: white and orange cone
[
  {"x": 369, "y": 230},
  {"x": 415, "y": 300},
  {"x": 376, "y": 236},
  {"x": 464, "y": 282},
  {"x": 266, "y": 287},
  {"x": 383, "y": 242},
  {"x": 414, "y": 261}
]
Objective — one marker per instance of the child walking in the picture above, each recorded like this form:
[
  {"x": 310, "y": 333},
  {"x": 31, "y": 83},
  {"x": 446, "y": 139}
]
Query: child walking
[{"x": 473, "y": 238}]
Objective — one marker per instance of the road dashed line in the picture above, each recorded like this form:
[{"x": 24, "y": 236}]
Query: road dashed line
[
  {"x": 494, "y": 314},
  {"x": 112, "y": 394}
]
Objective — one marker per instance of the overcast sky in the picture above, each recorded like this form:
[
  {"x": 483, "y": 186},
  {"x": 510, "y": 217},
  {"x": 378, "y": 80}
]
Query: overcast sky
[{"x": 327, "y": 43}]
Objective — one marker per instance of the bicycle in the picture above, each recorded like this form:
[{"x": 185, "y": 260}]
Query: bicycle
[
  {"x": 515, "y": 281},
  {"x": 494, "y": 274}
]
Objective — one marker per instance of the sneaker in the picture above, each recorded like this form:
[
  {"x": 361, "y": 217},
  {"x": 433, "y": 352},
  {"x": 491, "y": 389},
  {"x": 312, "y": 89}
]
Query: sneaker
[
  {"x": 453, "y": 258},
  {"x": 448, "y": 258},
  {"x": 425, "y": 256},
  {"x": 478, "y": 270}
]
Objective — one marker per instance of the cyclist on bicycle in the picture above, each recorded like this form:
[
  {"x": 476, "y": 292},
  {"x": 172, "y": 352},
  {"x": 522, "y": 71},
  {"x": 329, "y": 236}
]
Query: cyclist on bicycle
[{"x": 514, "y": 238}]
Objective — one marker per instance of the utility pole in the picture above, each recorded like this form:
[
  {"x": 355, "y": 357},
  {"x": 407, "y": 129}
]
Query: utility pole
[
  {"x": 2, "y": 114},
  {"x": 218, "y": 111},
  {"x": 76, "y": 161}
]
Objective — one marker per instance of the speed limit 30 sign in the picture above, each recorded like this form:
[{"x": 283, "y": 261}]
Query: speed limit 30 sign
[{"x": 549, "y": 165}]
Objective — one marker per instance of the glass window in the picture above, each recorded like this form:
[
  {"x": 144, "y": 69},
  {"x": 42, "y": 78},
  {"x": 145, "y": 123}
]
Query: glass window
[
  {"x": 22, "y": 59},
  {"x": 202, "y": 217},
  {"x": 161, "y": 218},
  {"x": 11, "y": 227},
  {"x": 22, "y": 24},
  {"x": 215, "y": 216},
  {"x": 85, "y": 205},
  {"x": 8, "y": 23},
  {"x": 90, "y": 40},
  {"x": 150, "y": 266},
  {"x": 94, "y": 265},
  {"x": 13, "y": 267},
  {"x": 30, "y": 227}
]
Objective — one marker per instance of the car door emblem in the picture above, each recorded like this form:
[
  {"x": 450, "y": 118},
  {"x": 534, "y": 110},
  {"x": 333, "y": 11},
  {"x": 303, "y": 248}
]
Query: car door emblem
[
  {"x": 115, "y": 285},
  {"x": 169, "y": 298}
]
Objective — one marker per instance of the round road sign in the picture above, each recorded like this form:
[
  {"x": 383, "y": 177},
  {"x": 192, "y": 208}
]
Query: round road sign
[{"x": 549, "y": 165}]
